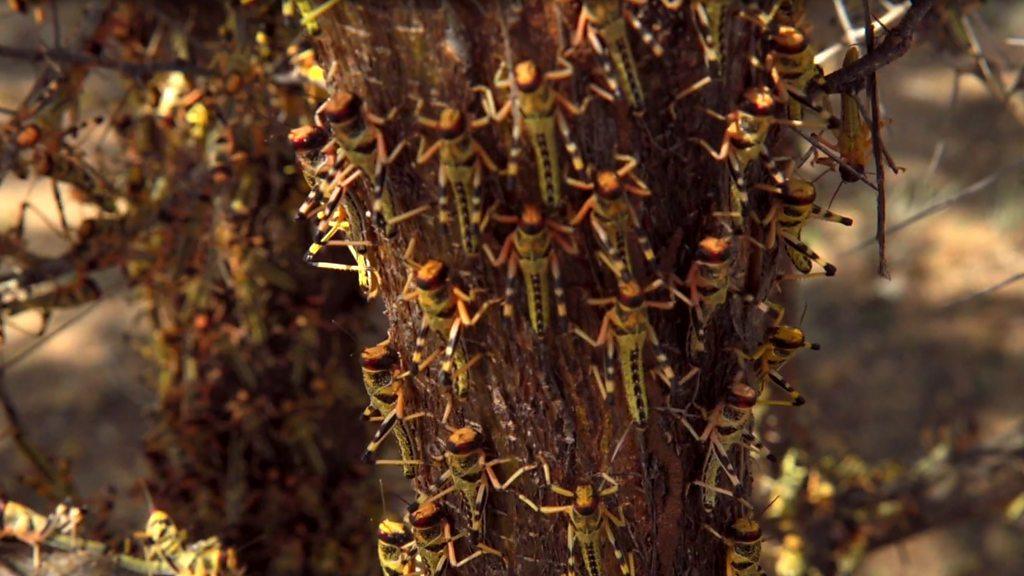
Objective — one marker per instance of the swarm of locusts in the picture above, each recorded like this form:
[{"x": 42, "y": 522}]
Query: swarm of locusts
[
  {"x": 569, "y": 213},
  {"x": 346, "y": 155},
  {"x": 193, "y": 215}
]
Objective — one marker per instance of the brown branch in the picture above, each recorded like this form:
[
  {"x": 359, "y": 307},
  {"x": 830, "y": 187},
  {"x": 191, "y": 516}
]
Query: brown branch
[
  {"x": 17, "y": 435},
  {"x": 876, "y": 140},
  {"x": 129, "y": 68},
  {"x": 896, "y": 43}
]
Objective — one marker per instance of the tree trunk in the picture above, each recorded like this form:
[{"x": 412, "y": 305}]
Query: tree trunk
[{"x": 534, "y": 397}]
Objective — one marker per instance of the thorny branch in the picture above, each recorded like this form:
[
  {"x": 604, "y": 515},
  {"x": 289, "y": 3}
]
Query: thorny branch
[{"x": 896, "y": 43}]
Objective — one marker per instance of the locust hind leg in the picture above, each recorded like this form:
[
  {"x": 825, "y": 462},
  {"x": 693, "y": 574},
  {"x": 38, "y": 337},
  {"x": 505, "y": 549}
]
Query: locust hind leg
[
  {"x": 826, "y": 214},
  {"x": 449, "y": 355},
  {"x": 646, "y": 35},
  {"x": 619, "y": 556},
  {"x": 561, "y": 309},
  {"x": 662, "y": 367},
  {"x": 601, "y": 52},
  {"x": 420, "y": 346},
  {"x": 801, "y": 247},
  {"x": 571, "y": 541},
  {"x": 570, "y": 145}
]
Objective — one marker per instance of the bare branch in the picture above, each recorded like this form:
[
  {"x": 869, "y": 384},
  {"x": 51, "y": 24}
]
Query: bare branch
[
  {"x": 876, "y": 142},
  {"x": 976, "y": 295}
]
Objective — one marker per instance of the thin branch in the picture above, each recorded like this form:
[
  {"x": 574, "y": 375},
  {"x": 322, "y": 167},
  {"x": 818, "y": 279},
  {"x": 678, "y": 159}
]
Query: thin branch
[
  {"x": 815, "y": 143},
  {"x": 36, "y": 344},
  {"x": 844, "y": 22},
  {"x": 858, "y": 35},
  {"x": 971, "y": 190},
  {"x": 896, "y": 43},
  {"x": 876, "y": 143},
  {"x": 976, "y": 295},
  {"x": 129, "y": 68},
  {"x": 17, "y": 434}
]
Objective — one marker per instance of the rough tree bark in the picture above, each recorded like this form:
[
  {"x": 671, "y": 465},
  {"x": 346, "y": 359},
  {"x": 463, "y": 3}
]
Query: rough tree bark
[{"x": 533, "y": 396}]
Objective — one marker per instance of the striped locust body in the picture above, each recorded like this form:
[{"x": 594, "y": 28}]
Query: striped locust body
[
  {"x": 387, "y": 394},
  {"x": 169, "y": 547},
  {"x": 392, "y": 540},
  {"x": 782, "y": 342},
  {"x": 603, "y": 24},
  {"x": 471, "y": 474},
  {"x": 446, "y": 310},
  {"x": 435, "y": 544},
  {"x": 361, "y": 143},
  {"x": 708, "y": 280},
  {"x": 543, "y": 111},
  {"x": 625, "y": 332},
  {"x": 743, "y": 553},
  {"x": 726, "y": 427},
  {"x": 591, "y": 523},
  {"x": 612, "y": 215},
  {"x": 791, "y": 64},
  {"x": 529, "y": 251},
  {"x": 462, "y": 163},
  {"x": 745, "y": 140},
  {"x": 795, "y": 206}
]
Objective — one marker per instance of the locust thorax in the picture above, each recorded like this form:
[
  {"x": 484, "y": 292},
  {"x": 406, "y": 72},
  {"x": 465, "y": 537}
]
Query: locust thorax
[
  {"x": 28, "y": 136},
  {"x": 425, "y": 515},
  {"x": 746, "y": 538},
  {"x": 342, "y": 110},
  {"x": 307, "y": 138},
  {"x": 162, "y": 531},
  {"x": 451, "y": 124},
  {"x": 393, "y": 532},
  {"x": 586, "y": 500},
  {"x": 527, "y": 76},
  {"x": 464, "y": 441},
  {"x": 741, "y": 397},
  {"x": 786, "y": 337},
  {"x": 799, "y": 192},
  {"x": 789, "y": 40},
  {"x": 432, "y": 275},
  {"x": 759, "y": 102},
  {"x": 631, "y": 296},
  {"x": 713, "y": 249},
  {"x": 532, "y": 219},
  {"x": 609, "y": 187},
  {"x": 379, "y": 357}
]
